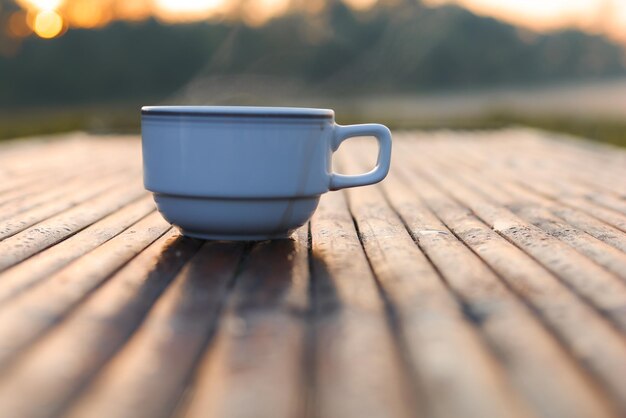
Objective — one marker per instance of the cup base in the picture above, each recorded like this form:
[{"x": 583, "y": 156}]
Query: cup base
[
  {"x": 218, "y": 237},
  {"x": 243, "y": 219}
]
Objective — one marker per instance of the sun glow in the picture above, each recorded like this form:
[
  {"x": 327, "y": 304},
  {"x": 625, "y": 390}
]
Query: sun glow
[
  {"x": 18, "y": 26},
  {"x": 361, "y": 4},
  {"x": 41, "y": 4},
  {"x": 260, "y": 11},
  {"x": 86, "y": 14},
  {"x": 176, "y": 10},
  {"x": 48, "y": 24},
  {"x": 598, "y": 16}
]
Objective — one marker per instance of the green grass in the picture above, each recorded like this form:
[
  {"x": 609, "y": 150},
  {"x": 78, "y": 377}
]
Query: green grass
[
  {"x": 603, "y": 130},
  {"x": 94, "y": 119},
  {"x": 126, "y": 119}
]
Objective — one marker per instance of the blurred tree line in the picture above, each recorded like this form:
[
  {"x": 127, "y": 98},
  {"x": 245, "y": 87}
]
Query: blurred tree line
[{"x": 405, "y": 48}]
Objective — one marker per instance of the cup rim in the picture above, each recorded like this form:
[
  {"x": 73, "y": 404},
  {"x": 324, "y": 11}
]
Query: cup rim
[{"x": 239, "y": 111}]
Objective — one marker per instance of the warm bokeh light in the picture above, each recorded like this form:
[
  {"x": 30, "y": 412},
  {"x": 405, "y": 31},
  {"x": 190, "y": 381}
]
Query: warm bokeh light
[
  {"x": 86, "y": 14},
  {"x": 48, "y": 24},
  {"x": 18, "y": 26},
  {"x": 361, "y": 4},
  {"x": 260, "y": 11},
  {"x": 41, "y": 4},
  {"x": 132, "y": 10},
  {"x": 599, "y": 16},
  {"x": 176, "y": 10}
]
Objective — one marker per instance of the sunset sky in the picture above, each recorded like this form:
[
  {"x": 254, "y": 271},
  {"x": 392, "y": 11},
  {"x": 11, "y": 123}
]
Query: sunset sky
[
  {"x": 48, "y": 18},
  {"x": 601, "y": 16}
]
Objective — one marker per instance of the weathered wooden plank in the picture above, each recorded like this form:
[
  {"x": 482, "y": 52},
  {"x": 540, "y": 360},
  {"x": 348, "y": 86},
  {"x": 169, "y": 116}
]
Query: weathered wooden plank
[
  {"x": 147, "y": 377},
  {"x": 604, "y": 187},
  {"x": 515, "y": 195},
  {"x": 49, "y": 160},
  {"x": 43, "y": 192},
  {"x": 606, "y": 158},
  {"x": 570, "y": 158},
  {"x": 55, "y": 195},
  {"x": 526, "y": 172},
  {"x": 31, "y": 183},
  {"x": 386, "y": 336},
  {"x": 48, "y": 164},
  {"x": 29, "y": 315},
  {"x": 358, "y": 369},
  {"x": 495, "y": 170},
  {"x": 261, "y": 339},
  {"x": 97, "y": 192},
  {"x": 584, "y": 203},
  {"x": 601, "y": 288},
  {"x": 544, "y": 169},
  {"x": 40, "y": 266},
  {"x": 52, "y": 230},
  {"x": 16, "y": 183},
  {"x": 63, "y": 362},
  {"x": 527, "y": 207},
  {"x": 517, "y": 180},
  {"x": 591, "y": 225},
  {"x": 30, "y": 155},
  {"x": 455, "y": 371},
  {"x": 575, "y": 324},
  {"x": 524, "y": 347},
  {"x": 610, "y": 202},
  {"x": 608, "y": 216}
]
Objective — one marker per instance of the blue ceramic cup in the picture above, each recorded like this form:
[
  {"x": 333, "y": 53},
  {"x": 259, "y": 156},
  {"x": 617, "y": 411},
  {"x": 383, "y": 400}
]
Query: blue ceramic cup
[{"x": 246, "y": 173}]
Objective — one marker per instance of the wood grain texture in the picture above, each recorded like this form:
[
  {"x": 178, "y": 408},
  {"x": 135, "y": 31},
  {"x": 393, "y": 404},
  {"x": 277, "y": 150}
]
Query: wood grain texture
[
  {"x": 29, "y": 315},
  {"x": 523, "y": 346},
  {"x": 61, "y": 363},
  {"x": 149, "y": 374},
  {"x": 442, "y": 347},
  {"x": 521, "y": 191},
  {"x": 537, "y": 213},
  {"x": 49, "y": 231},
  {"x": 358, "y": 366},
  {"x": 602, "y": 289},
  {"x": 485, "y": 277},
  {"x": 84, "y": 199},
  {"x": 573, "y": 322},
  {"x": 45, "y": 263},
  {"x": 259, "y": 347}
]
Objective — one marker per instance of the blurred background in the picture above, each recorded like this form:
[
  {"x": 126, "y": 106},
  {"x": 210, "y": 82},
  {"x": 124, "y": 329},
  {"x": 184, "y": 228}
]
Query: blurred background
[{"x": 471, "y": 64}]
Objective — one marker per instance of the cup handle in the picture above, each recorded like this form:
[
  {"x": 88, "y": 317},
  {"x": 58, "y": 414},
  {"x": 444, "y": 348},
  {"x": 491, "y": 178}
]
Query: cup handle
[{"x": 382, "y": 135}]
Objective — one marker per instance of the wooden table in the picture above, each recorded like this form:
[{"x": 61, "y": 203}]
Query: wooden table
[{"x": 485, "y": 277}]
